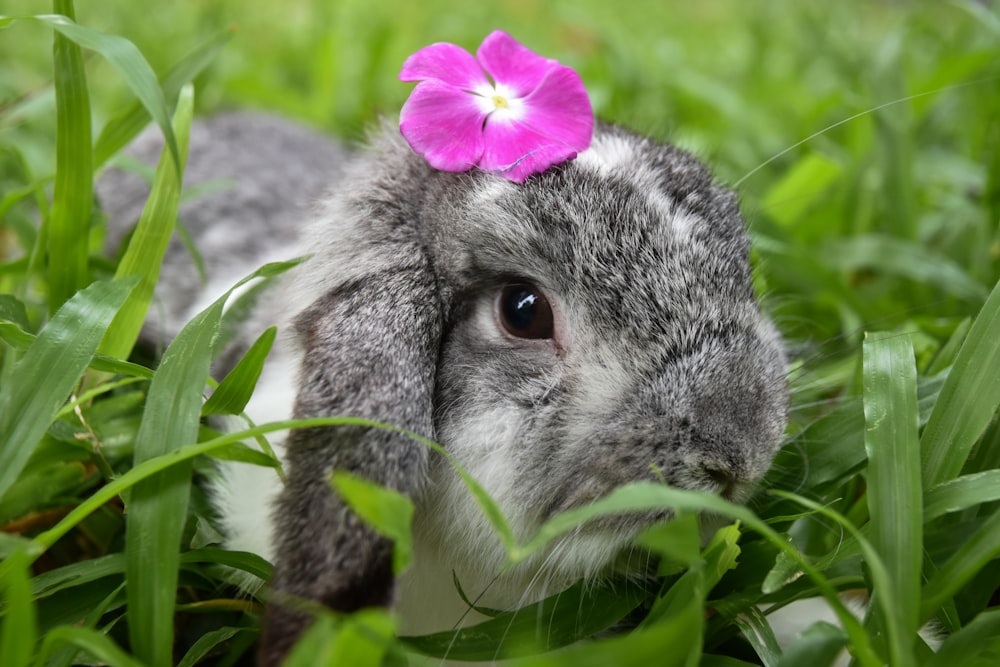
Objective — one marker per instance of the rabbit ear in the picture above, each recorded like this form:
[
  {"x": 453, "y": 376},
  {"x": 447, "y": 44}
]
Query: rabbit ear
[{"x": 370, "y": 349}]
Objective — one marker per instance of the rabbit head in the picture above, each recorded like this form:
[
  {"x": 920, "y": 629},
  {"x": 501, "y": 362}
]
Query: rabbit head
[{"x": 590, "y": 327}]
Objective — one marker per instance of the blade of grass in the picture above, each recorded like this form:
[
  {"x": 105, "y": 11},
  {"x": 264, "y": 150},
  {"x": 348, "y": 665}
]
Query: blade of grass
[
  {"x": 50, "y": 368},
  {"x": 818, "y": 646},
  {"x": 74, "y": 574},
  {"x": 19, "y": 339},
  {"x": 968, "y": 399},
  {"x": 122, "y": 129},
  {"x": 949, "y": 351},
  {"x": 979, "y": 549},
  {"x": 208, "y": 641},
  {"x": 235, "y": 390},
  {"x": 152, "y": 467},
  {"x": 757, "y": 631},
  {"x": 67, "y": 656},
  {"x": 240, "y": 560},
  {"x": 894, "y": 488},
  {"x": 123, "y": 56},
  {"x": 93, "y": 642},
  {"x": 72, "y": 198},
  {"x": 152, "y": 234},
  {"x": 387, "y": 511},
  {"x": 689, "y": 592},
  {"x": 657, "y": 646},
  {"x": 559, "y": 620},
  {"x": 13, "y": 310},
  {"x": 961, "y": 493},
  {"x": 19, "y": 630},
  {"x": 157, "y": 507},
  {"x": 360, "y": 639}
]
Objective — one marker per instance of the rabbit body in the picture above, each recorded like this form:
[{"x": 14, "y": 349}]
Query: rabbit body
[{"x": 657, "y": 364}]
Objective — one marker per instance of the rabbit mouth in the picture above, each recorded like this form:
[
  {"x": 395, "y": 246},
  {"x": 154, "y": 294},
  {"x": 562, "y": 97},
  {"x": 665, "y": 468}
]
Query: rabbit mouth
[{"x": 703, "y": 477}]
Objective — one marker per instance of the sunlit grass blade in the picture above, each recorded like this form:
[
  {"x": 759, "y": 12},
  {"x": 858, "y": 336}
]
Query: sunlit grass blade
[
  {"x": 119, "y": 131},
  {"x": 894, "y": 485},
  {"x": 718, "y": 557},
  {"x": 19, "y": 339},
  {"x": 968, "y": 399},
  {"x": 360, "y": 639},
  {"x": 123, "y": 56},
  {"x": 387, "y": 511},
  {"x": 961, "y": 493},
  {"x": 149, "y": 241},
  {"x": 50, "y": 368},
  {"x": 797, "y": 191},
  {"x": 157, "y": 507},
  {"x": 72, "y": 198},
  {"x": 233, "y": 393},
  {"x": 18, "y": 624}
]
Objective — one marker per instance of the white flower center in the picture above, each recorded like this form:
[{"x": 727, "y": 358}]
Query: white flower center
[{"x": 499, "y": 102}]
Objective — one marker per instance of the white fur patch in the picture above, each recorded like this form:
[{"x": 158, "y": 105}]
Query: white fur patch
[
  {"x": 680, "y": 221},
  {"x": 489, "y": 190},
  {"x": 603, "y": 381},
  {"x": 606, "y": 154}
]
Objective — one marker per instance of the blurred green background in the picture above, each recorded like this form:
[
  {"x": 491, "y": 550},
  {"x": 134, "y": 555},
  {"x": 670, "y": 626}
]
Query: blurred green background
[{"x": 889, "y": 212}]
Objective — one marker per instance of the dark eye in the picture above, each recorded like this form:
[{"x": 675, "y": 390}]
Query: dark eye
[{"x": 524, "y": 311}]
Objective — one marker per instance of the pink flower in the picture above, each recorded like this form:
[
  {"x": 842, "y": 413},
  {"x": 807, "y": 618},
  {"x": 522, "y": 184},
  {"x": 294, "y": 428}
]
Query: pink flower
[{"x": 533, "y": 115}]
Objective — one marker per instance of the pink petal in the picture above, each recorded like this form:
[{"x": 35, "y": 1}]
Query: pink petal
[
  {"x": 444, "y": 124},
  {"x": 516, "y": 151},
  {"x": 559, "y": 109},
  {"x": 444, "y": 62},
  {"x": 511, "y": 64}
]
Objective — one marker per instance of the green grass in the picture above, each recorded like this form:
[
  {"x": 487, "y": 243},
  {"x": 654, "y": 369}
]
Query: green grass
[{"x": 864, "y": 138}]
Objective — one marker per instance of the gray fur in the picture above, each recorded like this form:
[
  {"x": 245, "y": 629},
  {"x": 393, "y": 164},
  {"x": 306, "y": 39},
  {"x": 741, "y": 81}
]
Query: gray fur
[{"x": 662, "y": 364}]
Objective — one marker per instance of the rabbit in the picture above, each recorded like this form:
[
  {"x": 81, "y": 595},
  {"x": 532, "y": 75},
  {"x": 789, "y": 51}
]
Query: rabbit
[{"x": 592, "y": 326}]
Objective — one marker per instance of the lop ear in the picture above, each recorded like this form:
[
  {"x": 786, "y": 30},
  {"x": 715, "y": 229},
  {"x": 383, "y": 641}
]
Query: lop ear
[{"x": 370, "y": 349}]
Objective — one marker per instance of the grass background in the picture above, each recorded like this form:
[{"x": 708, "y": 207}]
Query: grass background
[{"x": 864, "y": 138}]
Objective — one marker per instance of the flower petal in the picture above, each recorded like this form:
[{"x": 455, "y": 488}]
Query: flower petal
[
  {"x": 444, "y": 62},
  {"x": 444, "y": 124},
  {"x": 512, "y": 65},
  {"x": 559, "y": 108},
  {"x": 515, "y": 151}
]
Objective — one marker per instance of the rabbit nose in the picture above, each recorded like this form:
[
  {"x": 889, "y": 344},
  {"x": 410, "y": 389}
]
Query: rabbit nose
[
  {"x": 718, "y": 474},
  {"x": 723, "y": 480}
]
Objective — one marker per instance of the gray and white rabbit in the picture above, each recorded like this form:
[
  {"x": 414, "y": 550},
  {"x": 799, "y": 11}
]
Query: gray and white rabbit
[{"x": 592, "y": 326}]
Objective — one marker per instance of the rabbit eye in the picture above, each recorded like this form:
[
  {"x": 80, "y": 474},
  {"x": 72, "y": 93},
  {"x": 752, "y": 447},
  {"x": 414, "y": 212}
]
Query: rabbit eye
[{"x": 524, "y": 312}]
